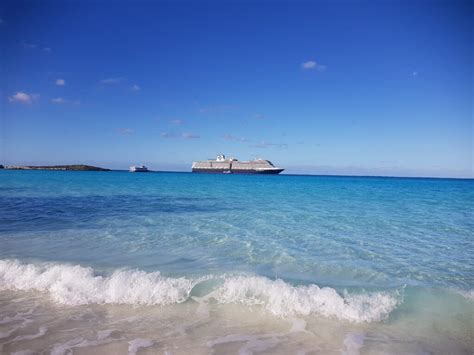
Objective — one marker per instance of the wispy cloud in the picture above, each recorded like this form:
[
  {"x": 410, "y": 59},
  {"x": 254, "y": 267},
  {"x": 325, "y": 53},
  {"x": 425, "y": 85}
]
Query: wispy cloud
[
  {"x": 264, "y": 144},
  {"x": 415, "y": 73},
  {"x": 167, "y": 135},
  {"x": 176, "y": 122},
  {"x": 60, "y": 82},
  {"x": 217, "y": 108},
  {"x": 60, "y": 100},
  {"x": 23, "y": 98},
  {"x": 135, "y": 88},
  {"x": 126, "y": 131},
  {"x": 182, "y": 136},
  {"x": 27, "y": 45},
  {"x": 111, "y": 81},
  {"x": 190, "y": 136},
  {"x": 312, "y": 65},
  {"x": 230, "y": 137}
]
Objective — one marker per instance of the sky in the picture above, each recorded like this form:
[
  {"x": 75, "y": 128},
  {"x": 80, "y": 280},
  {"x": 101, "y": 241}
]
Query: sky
[{"x": 317, "y": 87}]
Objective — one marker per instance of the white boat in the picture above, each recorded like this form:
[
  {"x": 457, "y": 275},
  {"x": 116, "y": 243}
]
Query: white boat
[{"x": 138, "y": 169}]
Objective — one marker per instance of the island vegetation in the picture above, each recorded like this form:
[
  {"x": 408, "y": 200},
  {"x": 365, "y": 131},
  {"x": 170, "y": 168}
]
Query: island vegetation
[{"x": 74, "y": 167}]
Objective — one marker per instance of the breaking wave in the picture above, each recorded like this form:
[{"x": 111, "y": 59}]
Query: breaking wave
[
  {"x": 467, "y": 294},
  {"x": 77, "y": 285},
  {"x": 283, "y": 299}
]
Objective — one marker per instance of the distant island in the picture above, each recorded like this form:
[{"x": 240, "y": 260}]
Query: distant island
[{"x": 75, "y": 167}]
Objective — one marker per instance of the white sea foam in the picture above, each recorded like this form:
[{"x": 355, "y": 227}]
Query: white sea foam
[
  {"x": 253, "y": 343},
  {"x": 64, "y": 348},
  {"x": 108, "y": 333},
  {"x": 352, "y": 344},
  {"x": 24, "y": 352},
  {"x": 76, "y": 285},
  {"x": 80, "y": 342},
  {"x": 258, "y": 345},
  {"x": 283, "y": 299},
  {"x": 136, "y": 344},
  {"x": 6, "y": 334},
  {"x": 298, "y": 325},
  {"x": 41, "y": 331},
  {"x": 9, "y": 319},
  {"x": 103, "y": 337},
  {"x": 467, "y": 294}
]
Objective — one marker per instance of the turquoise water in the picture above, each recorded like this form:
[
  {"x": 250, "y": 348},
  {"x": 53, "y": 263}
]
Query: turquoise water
[{"x": 350, "y": 249}]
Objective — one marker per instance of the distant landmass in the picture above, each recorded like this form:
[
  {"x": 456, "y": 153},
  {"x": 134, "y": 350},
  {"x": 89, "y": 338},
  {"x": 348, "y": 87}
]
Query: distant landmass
[{"x": 75, "y": 167}]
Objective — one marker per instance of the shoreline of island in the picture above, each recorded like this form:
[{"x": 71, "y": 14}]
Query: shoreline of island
[{"x": 73, "y": 167}]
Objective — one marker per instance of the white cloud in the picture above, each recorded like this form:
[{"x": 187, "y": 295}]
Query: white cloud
[
  {"x": 29, "y": 45},
  {"x": 230, "y": 137},
  {"x": 177, "y": 122},
  {"x": 60, "y": 82},
  {"x": 60, "y": 100},
  {"x": 264, "y": 144},
  {"x": 126, "y": 131},
  {"x": 312, "y": 65},
  {"x": 415, "y": 73},
  {"x": 308, "y": 65},
  {"x": 190, "y": 136},
  {"x": 23, "y": 98},
  {"x": 217, "y": 109},
  {"x": 111, "y": 81},
  {"x": 136, "y": 88},
  {"x": 183, "y": 136}
]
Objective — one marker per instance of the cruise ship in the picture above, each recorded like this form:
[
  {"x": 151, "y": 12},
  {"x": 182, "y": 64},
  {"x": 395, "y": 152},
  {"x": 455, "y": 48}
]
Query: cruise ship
[
  {"x": 138, "y": 169},
  {"x": 225, "y": 165}
]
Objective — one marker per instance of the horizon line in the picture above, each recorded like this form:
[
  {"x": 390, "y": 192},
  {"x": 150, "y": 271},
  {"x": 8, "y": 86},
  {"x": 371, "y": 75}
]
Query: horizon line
[{"x": 282, "y": 174}]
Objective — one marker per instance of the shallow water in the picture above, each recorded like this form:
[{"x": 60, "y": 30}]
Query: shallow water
[{"x": 110, "y": 262}]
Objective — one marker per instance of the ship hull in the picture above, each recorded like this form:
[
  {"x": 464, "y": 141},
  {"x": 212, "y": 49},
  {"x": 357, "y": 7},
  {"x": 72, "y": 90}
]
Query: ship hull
[{"x": 236, "y": 171}]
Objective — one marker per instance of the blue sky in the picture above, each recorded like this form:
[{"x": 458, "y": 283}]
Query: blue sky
[{"x": 322, "y": 87}]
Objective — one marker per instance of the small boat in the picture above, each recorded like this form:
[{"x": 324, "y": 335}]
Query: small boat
[{"x": 138, "y": 169}]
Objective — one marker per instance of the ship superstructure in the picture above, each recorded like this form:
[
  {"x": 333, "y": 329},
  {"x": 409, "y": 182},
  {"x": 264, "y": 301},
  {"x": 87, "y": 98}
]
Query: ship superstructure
[
  {"x": 225, "y": 165},
  {"x": 138, "y": 169}
]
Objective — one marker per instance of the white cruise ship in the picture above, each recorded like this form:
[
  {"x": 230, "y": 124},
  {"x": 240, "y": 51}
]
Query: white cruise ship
[{"x": 233, "y": 166}]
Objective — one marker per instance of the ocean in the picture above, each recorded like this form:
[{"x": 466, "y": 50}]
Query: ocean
[{"x": 180, "y": 263}]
